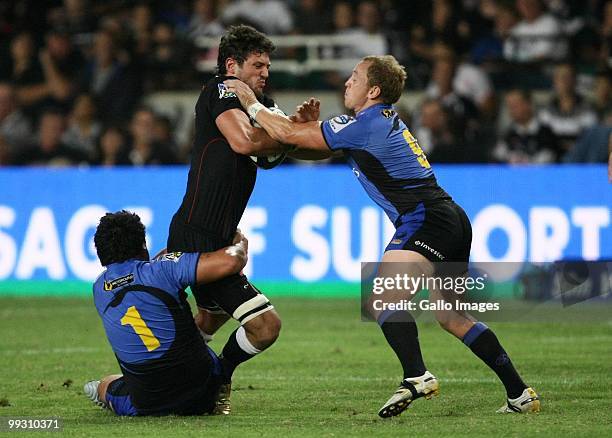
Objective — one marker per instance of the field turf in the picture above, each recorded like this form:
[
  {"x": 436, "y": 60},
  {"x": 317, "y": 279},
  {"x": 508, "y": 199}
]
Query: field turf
[{"x": 326, "y": 376}]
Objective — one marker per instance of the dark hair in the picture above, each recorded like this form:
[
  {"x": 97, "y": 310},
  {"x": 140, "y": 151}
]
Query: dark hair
[
  {"x": 119, "y": 237},
  {"x": 239, "y": 42}
]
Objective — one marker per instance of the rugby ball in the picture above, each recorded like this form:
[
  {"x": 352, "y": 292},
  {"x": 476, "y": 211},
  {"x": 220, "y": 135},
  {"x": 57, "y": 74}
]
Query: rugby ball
[{"x": 270, "y": 161}]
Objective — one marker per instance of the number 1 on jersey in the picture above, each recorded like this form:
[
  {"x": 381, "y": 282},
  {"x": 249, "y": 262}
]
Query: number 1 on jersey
[
  {"x": 416, "y": 149},
  {"x": 133, "y": 318}
]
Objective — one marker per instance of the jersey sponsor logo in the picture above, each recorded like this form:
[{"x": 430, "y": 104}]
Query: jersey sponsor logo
[
  {"x": 224, "y": 93},
  {"x": 172, "y": 256},
  {"x": 430, "y": 249},
  {"x": 118, "y": 282},
  {"x": 338, "y": 123},
  {"x": 387, "y": 113}
]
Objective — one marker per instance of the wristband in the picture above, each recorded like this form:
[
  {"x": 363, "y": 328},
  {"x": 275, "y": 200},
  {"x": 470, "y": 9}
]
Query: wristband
[{"x": 254, "y": 108}]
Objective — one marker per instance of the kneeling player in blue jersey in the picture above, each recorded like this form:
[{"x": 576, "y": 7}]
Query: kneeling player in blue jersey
[
  {"x": 430, "y": 227},
  {"x": 166, "y": 366}
]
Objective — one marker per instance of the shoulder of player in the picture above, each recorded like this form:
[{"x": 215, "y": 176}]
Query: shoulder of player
[
  {"x": 173, "y": 257},
  {"x": 213, "y": 88},
  {"x": 341, "y": 121}
]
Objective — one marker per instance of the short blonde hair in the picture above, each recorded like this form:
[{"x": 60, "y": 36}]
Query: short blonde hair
[{"x": 387, "y": 74}]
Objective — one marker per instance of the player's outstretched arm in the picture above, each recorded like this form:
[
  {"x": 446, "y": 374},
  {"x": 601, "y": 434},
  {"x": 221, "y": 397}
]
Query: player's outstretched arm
[
  {"x": 213, "y": 266},
  {"x": 245, "y": 139},
  {"x": 306, "y": 135}
]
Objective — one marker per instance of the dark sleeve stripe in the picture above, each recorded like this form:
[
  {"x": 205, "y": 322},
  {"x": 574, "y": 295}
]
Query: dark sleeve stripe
[{"x": 324, "y": 138}]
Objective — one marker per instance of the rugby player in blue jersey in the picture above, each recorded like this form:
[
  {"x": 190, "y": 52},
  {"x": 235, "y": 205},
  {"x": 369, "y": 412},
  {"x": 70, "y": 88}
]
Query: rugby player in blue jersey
[
  {"x": 430, "y": 227},
  {"x": 166, "y": 366}
]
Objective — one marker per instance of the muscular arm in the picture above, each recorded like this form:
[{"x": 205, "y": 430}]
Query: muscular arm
[
  {"x": 243, "y": 138},
  {"x": 308, "y": 136},
  {"x": 213, "y": 266}
]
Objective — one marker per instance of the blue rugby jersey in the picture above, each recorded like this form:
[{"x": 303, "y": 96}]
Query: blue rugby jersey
[
  {"x": 386, "y": 159},
  {"x": 150, "y": 327}
]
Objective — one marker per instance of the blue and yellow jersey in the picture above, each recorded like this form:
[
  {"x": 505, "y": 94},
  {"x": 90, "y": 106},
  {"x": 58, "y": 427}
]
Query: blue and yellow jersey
[
  {"x": 150, "y": 327},
  {"x": 386, "y": 159}
]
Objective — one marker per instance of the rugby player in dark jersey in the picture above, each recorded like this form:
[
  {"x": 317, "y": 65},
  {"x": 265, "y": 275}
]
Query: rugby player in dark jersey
[
  {"x": 430, "y": 227},
  {"x": 221, "y": 179},
  {"x": 166, "y": 366}
]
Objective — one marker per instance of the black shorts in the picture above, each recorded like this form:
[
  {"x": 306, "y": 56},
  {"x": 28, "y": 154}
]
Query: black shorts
[
  {"x": 234, "y": 294},
  {"x": 441, "y": 232},
  {"x": 201, "y": 400}
]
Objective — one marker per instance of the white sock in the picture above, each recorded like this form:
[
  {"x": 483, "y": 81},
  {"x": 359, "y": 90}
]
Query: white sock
[{"x": 244, "y": 343}]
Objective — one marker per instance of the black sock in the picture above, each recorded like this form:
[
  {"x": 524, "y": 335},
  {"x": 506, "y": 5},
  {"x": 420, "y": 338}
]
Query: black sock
[
  {"x": 402, "y": 334},
  {"x": 232, "y": 356},
  {"x": 484, "y": 344}
]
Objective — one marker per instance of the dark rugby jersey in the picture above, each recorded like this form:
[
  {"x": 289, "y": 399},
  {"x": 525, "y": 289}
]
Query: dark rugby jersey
[
  {"x": 220, "y": 180},
  {"x": 386, "y": 159}
]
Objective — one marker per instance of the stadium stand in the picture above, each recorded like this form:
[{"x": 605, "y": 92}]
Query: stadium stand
[{"x": 93, "y": 64}]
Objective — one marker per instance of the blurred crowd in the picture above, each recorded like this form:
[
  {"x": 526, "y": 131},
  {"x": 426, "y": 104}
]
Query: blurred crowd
[{"x": 507, "y": 81}]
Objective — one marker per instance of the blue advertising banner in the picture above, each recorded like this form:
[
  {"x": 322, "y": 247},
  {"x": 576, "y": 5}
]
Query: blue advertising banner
[{"x": 304, "y": 223}]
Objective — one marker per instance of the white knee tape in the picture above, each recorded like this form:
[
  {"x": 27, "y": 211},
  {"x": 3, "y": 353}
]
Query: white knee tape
[
  {"x": 252, "y": 308},
  {"x": 244, "y": 343}
]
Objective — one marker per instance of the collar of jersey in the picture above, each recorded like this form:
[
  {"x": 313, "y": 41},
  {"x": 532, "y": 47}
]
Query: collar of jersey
[{"x": 373, "y": 108}]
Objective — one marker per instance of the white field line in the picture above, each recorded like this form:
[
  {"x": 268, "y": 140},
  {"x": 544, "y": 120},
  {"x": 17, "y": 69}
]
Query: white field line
[
  {"x": 245, "y": 377},
  {"x": 392, "y": 380},
  {"x": 39, "y": 351}
]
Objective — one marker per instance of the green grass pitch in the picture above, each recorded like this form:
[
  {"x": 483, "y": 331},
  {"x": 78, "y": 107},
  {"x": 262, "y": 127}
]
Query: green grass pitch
[{"x": 327, "y": 375}]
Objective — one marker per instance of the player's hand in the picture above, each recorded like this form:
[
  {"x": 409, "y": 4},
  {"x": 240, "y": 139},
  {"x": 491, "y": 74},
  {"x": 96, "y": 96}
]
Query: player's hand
[
  {"x": 240, "y": 247},
  {"x": 308, "y": 111},
  {"x": 213, "y": 266},
  {"x": 238, "y": 237},
  {"x": 242, "y": 91}
]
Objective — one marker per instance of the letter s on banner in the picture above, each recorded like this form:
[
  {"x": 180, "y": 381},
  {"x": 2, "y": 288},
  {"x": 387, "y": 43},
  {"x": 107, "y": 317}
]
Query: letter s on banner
[{"x": 305, "y": 238}]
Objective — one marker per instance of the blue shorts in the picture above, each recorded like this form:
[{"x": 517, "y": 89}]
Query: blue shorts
[
  {"x": 120, "y": 402},
  {"x": 441, "y": 232},
  {"x": 118, "y": 398}
]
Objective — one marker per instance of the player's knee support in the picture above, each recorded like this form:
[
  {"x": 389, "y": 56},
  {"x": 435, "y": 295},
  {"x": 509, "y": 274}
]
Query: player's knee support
[{"x": 252, "y": 308}]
